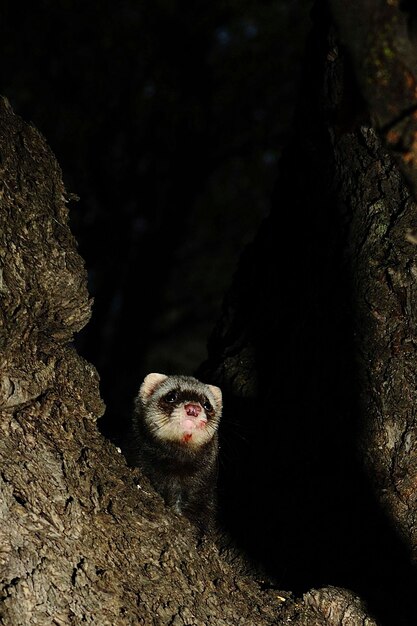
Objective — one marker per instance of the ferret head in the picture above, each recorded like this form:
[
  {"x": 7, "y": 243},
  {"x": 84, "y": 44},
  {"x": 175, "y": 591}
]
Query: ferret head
[{"x": 180, "y": 409}]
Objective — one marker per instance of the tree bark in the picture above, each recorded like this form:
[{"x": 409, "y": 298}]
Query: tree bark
[
  {"x": 384, "y": 218},
  {"x": 81, "y": 541}
]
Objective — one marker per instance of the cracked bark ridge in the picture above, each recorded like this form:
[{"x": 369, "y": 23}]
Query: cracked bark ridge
[
  {"x": 83, "y": 538},
  {"x": 382, "y": 253},
  {"x": 382, "y": 45},
  {"x": 340, "y": 607},
  {"x": 383, "y": 260},
  {"x": 44, "y": 297},
  {"x": 385, "y": 264}
]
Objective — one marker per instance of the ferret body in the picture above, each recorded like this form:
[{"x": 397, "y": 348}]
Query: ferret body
[{"x": 176, "y": 444}]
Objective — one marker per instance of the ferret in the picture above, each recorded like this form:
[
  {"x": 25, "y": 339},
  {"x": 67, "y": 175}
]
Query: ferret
[{"x": 175, "y": 443}]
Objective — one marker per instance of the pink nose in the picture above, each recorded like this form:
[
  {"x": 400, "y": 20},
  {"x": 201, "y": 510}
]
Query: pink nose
[{"x": 193, "y": 410}]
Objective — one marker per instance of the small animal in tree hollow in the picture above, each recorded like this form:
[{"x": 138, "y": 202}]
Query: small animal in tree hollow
[{"x": 175, "y": 443}]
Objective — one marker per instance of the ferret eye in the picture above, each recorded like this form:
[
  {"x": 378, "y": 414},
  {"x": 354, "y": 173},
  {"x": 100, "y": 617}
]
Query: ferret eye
[
  {"x": 171, "y": 397},
  {"x": 207, "y": 406}
]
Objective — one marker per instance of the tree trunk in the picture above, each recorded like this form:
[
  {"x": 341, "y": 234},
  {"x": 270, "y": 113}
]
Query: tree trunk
[
  {"x": 384, "y": 261},
  {"x": 81, "y": 542}
]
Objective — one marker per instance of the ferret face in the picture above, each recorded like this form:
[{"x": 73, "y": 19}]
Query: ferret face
[{"x": 180, "y": 408}]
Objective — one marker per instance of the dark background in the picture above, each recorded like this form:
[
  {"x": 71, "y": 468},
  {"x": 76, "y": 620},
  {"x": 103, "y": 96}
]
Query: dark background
[{"x": 168, "y": 120}]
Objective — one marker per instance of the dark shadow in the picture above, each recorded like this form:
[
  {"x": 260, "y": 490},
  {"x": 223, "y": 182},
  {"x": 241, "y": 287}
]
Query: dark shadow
[{"x": 292, "y": 490}]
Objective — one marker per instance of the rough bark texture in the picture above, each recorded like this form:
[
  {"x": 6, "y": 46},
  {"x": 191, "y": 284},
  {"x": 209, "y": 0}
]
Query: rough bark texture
[
  {"x": 384, "y": 218},
  {"x": 80, "y": 542},
  {"x": 341, "y": 607},
  {"x": 385, "y": 267}
]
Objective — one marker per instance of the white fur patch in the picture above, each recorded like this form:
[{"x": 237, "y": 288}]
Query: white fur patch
[
  {"x": 180, "y": 428},
  {"x": 149, "y": 385},
  {"x": 217, "y": 394}
]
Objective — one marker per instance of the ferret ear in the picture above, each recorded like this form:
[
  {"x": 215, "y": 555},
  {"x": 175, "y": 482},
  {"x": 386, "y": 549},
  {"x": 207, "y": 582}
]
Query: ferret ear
[
  {"x": 150, "y": 384},
  {"x": 217, "y": 393}
]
